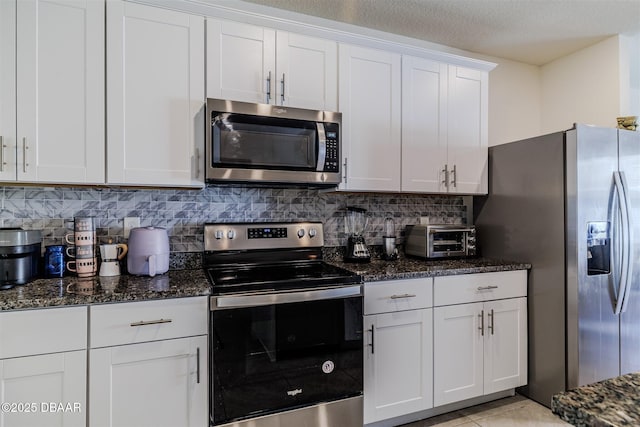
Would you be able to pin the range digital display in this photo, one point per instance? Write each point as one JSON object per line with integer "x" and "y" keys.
{"x": 267, "y": 233}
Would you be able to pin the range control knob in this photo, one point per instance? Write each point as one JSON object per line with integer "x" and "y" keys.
{"x": 301, "y": 233}
{"x": 312, "y": 232}
{"x": 231, "y": 234}
{"x": 219, "y": 234}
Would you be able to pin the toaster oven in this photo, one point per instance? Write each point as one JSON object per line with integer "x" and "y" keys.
{"x": 440, "y": 241}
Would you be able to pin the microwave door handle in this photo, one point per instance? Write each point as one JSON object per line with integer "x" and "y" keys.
{"x": 322, "y": 147}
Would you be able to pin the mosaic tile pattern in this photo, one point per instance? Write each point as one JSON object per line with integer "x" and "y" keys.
{"x": 184, "y": 212}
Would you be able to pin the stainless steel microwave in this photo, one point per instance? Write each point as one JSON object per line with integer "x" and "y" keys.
{"x": 270, "y": 144}
{"x": 440, "y": 241}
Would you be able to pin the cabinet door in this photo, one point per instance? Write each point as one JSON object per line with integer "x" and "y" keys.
{"x": 468, "y": 130}
{"x": 369, "y": 88}
{"x": 60, "y": 91}
{"x": 155, "y": 60}
{"x": 241, "y": 62}
{"x": 52, "y": 379}
{"x": 398, "y": 364}
{"x": 307, "y": 70}
{"x": 505, "y": 347}
{"x": 7, "y": 90}
{"x": 161, "y": 383}
{"x": 424, "y": 125}
{"x": 457, "y": 353}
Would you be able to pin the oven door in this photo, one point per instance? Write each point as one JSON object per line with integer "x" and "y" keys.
{"x": 271, "y": 357}
{"x": 447, "y": 243}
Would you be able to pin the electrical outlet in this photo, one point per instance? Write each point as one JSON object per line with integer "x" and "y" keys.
{"x": 129, "y": 223}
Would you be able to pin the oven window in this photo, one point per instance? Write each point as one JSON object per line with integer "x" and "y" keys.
{"x": 259, "y": 143}
{"x": 270, "y": 358}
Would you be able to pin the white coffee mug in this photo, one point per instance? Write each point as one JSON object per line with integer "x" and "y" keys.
{"x": 83, "y": 267}
{"x": 80, "y": 238}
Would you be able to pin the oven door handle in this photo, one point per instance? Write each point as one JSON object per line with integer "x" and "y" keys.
{"x": 239, "y": 301}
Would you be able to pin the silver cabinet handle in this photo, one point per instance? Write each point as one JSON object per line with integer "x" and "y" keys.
{"x": 486, "y": 288}
{"x": 373, "y": 335}
{"x": 282, "y": 92}
{"x": 445, "y": 172}
{"x": 151, "y": 322}
{"x": 2, "y": 163}
{"x": 454, "y": 176}
{"x": 345, "y": 170}
{"x": 481, "y": 315}
{"x": 197, "y": 163}
{"x": 25, "y": 147}
{"x": 269, "y": 87}
{"x": 402, "y": 296}
{"x": 198, "y": 365}
{"x": 490, "y": 316}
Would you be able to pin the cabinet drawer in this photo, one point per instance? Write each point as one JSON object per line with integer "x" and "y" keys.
{"x": 42, "y": 331}
{"x": 466, "y": 288}
{"x": 134, "y": 322}
{"x": 398, "y": 295}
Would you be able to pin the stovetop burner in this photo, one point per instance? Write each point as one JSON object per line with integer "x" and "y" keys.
{"x": 269, "y": 257}
{"x": 278, "y": 277}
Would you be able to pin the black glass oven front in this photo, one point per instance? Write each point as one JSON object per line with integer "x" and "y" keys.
{"x": 275, "y": 357}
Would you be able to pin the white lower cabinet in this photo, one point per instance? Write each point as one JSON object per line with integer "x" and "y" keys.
{"x": 398, "y": 348}
{"x": 43, "y": 367}
{"x": 160, "y": 383}
{"x": 46, "y": 390}
{"x": 479, "y": 347}
{"x": 157, "y": 374}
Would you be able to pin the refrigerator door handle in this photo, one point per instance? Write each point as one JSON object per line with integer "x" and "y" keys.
{"x": 628, "y": 247}
{"x": 622, "y": 206}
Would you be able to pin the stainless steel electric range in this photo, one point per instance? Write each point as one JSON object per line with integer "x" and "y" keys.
{"x": 285, "y": 327}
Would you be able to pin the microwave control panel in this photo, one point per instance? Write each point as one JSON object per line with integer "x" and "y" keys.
{"x": 332, "y": 159}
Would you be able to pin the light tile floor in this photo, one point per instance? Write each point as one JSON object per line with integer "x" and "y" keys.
{"x": 516, "y": 411}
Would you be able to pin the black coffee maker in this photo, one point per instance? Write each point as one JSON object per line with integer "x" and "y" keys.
{"x": 357, "y": 251}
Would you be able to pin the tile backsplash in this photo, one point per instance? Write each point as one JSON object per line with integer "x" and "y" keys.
{"x": 184, "y": 212}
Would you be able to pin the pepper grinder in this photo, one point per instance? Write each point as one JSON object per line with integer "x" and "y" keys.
{"x": 390, "y": 252}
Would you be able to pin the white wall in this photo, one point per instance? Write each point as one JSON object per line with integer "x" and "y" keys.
{"x": 630, "y": 75}
{"x": 514, "y": 101}
{"x": 583, "y": 87}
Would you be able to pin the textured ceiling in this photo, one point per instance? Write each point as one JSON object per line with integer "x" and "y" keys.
{"x": 530, "y": 31}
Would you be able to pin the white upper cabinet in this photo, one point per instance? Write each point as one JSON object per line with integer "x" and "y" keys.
{"x": 240, "y": 62}
{"x": 444, "y": 127}
{"x": 424, "y": 125}
{"x": 155, "y": 103}
{"x": 468, "y": 135}
{"x": 422, "y": 130}
{"x": 370, "y": 94}
{"x": 307, "y": 70}
{"x": 256, "y": 64}
{"x": 7, "y": 90}
{"x": 52, "y": 91}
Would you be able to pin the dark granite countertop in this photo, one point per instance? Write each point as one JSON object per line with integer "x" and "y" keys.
{"x": 406, "y": 268}
{"x": 613, "y": 402}
{"x": 73, "y": 290}
{"x": 193, "y": 281}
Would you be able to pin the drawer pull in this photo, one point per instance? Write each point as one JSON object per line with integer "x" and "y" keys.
{"x": 402, "y": 296}
{"x": 151, "y": 322}
{"x": 486, "y": 288}
{"x": 198, "y": 365}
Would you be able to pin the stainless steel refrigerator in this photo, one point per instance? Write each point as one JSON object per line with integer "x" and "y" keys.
{"x": 569, "y": 204}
